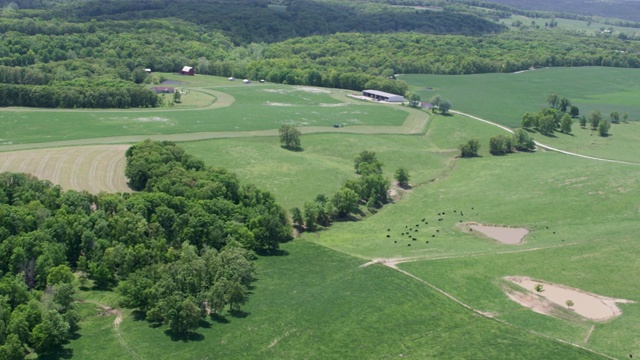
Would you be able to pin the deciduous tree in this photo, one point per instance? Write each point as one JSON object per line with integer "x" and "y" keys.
{"x": 289, "y": 137}
{"x": 402, "y": 176}
{"x": 470, "y": 148}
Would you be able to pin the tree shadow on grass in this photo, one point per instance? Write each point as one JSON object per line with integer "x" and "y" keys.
{"x": 219, "y": 318}
{"x": 240, "y": 314}
{"x": 294, "y": 149}
{"x": 189, "y": 336}
{"x": 139, "y": 315}
{"x": 60, "y": 352}
{"x": 272, "y": 252}
{"x": 204, "y": 324}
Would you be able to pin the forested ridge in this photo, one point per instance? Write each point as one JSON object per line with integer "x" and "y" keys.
{"x": 93, "y": 54}
{"x": 178, "y": 250}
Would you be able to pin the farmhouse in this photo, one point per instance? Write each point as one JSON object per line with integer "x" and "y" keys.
{"x": 187, "y": 70}
{"x": 164, "y": 90}
{"x": 382, "y": 96}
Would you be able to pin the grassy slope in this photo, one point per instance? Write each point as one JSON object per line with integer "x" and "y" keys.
{"x": 319, "y": 304}
{"x": 503, "y": 98}
{"x": 589, "y": 207}
{"x": 602, "y": 267}
{"x": 324, "y": 165}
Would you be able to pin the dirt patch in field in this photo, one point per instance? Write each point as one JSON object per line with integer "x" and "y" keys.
{"x": 554, "y": 296}
{"x": 313, "y": 90}
{"x": 152, "y": 119}
{"x": 503, "y": 234}
{"x": 269, "y": 103}
{"x": 333, "y": 105}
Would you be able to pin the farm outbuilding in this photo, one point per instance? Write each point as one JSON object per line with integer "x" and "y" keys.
{"x": 382, "y": 96}
{"x": 187, "y": 70}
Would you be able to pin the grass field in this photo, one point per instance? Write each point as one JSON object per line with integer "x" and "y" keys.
{"x": 504, "y": 98}
{"x": 581, "y": 213}
{"x": 94, "y": 168}
{"x": 336, "y": 311}
{"x": 317, "y": 302}
{"x": 237, "y": 108}
{"x": 590, "y": 28}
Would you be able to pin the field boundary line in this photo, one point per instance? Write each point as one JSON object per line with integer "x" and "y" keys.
{"x": 547, "y": 147}
{"x": 490, "y": 315}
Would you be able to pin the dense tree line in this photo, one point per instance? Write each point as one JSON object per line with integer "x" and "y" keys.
{"x": 45, "y": 96}
{"x": 180, "y": 249}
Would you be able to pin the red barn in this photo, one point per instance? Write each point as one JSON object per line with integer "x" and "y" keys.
{"x": 187, "y": 70}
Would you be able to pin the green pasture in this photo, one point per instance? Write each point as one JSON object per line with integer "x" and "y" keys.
{"x": 323, "y": 166}
{"x": 315, "y": 303}
{"x": 590, "y": 28}
{"x": 603, "y": 267}
{"x": 256, "y": 107}
{"x": 503, "y": 98}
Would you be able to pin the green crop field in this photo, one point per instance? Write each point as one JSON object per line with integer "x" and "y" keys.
{"x": 317, "y": 301}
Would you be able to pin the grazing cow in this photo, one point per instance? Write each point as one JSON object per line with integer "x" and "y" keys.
{"x": 388, "y": 235}
{"x": 427, "y": 242}
{"x": 437, "y": 230}
{"x": 416, "y": 230}
{"x": 434, "y": 235}
{"x": 440, "y": 219}
{"x": 388, "y": 229}
{"x": 395, "y": 241}
{"x": 408, "y": 244}
{"x": 414, "y": 239}
{"x": 402, "y": 234}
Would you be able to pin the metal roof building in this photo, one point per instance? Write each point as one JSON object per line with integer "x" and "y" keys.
{"x": 382, "y": 96}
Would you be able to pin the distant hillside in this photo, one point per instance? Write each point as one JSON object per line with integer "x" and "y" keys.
{"x": 621, "y": 9}
{"x": 246, "y": 21}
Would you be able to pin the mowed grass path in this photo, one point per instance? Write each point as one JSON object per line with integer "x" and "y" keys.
{"x": 315, "y": 303}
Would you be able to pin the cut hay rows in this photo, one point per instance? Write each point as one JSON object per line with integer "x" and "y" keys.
{"x": 90, "y": 168}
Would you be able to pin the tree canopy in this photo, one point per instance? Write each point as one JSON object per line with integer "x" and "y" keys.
{"x": 177, "y": 250}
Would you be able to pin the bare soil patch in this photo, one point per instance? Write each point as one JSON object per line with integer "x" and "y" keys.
{"x": 553, "y": 297}
{"x": 503, "y": 234}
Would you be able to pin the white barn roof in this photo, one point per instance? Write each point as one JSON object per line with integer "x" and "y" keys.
{"x": 384, "y": 95}
{"x": 187, "y": 68}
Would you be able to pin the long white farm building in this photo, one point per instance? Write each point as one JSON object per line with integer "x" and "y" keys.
{"x": 382, "y": 96}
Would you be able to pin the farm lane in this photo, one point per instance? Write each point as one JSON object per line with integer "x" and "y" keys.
{"x": 546, "y": 147}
